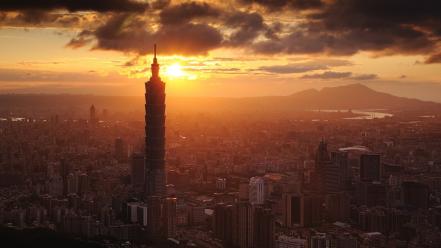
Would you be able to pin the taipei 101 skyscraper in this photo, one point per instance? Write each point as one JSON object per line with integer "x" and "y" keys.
{"x": 155, "y": 133}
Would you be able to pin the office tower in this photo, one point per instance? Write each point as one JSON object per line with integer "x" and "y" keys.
{"x": 154, "y": 217}
{"x": 92, "y": 115}
{"x": 291, "y": 209}
{"x": 340, "y": 162}
{"x": 132, "y": 211}
{"x": 415, "y": 195}
{"x": 223, "y": 223}
{"x": 155, "y": 132}
{"x": 322, "y": 161}
{"x": 370, "y": 167}
{"x": 64, "y": 172}
{"x": 169, "y": 215}
{"x": 322, "y": 154}
{"x": 244, "y": 191}
{"x": 221, "y": 184}
{"x": 263, "y": 228}
{"x": 83, "y": 183}
{"x": 304, "y": 210}
{"x": 137, "y": 170}
{"x": 142, "y": 214}
{"x": 337, "y": 206}
{"x": 371, "y": 194}
{"x": 243, "y": 227}
{"x": 257, "y": 191}
{"x": 72, "y": 183}
{"x": 120, "y": 150}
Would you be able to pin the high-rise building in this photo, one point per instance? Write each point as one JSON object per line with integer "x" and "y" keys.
{"x": 155, "y": 132}
{"x": 291, "y": 209}
{"x": 120, "y": 150}
{"x": 64, "y": 173}
{"x": 304, "y": 210}
{"x": 155, "y": 223}
{"x": 92, "y": 115}
{"x": 137, "y": 170}
{"x": 370, "y": 167}
{"x": 415, "y": 195}
{"x": 322, "y": 161}
{"x": 169, "y": 217}
{"x": 243, "y": 227}
{"x": 257, "y": 191}
{"x": 223, "y": 223}
{"x": 263, "y": 228}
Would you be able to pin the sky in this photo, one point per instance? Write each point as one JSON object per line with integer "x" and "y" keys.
{"x": 229, "y": 48}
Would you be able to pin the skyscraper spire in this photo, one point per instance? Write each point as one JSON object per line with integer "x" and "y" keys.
{"x": 155, "y": 65}
{"x": 155, "y": 61}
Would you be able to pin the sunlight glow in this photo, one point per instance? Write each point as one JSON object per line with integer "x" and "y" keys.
{"x": 175, "y": 70}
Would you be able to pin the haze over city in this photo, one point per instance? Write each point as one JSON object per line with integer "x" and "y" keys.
{"x": 220, "y": 124}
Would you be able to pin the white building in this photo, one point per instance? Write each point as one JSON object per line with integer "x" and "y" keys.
{"x": 257, "y": 190}
{"x": 221, "y": 183}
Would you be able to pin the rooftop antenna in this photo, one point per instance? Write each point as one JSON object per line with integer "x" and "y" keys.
{"x": 154, "y": 51}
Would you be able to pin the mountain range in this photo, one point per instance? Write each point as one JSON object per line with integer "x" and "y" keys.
{"x": 353, "y": 96}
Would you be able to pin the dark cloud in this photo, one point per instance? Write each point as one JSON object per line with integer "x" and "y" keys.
{"x": 187, "y": 11}
{"x": 331, "y": 27}
{"x": 328, "y": 75}
{"x": 435, "y": 58}
{"x": 40, "y": 18}
{"x": 128, "y": 33}
{"x": 247, "y": 27}
{"x": 81, "y": 40}
{"x": 363, "y": 77}
{"x": 74, "y": 5}
{"x": 273, "y": 5}
{"x": 160, "y": 4}
{"x": 345, "y": 27}
{"x": 293, "y": 68}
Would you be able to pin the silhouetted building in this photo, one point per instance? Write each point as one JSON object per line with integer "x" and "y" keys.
{"x": 137, "y": 170}
{"x": 371, "y": 194}
{"x": 92, "y": 115}
{"x": 120, "y": 150}
{"x": 263, "y": 228}
{"x": 306, "y": 210}
{"x": 415, "y": 195}
{"x": 64, "y": 172}
{"x": 155, "y": 132}
{"x": 243, "y": 227}
{"x": 223, "y": 223}
{"x": 370, "y": 169}
{"x": 169, "y": 217}
{"x": 155, "y": 223}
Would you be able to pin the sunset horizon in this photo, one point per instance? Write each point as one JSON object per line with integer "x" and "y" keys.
{"x": 260, "y": 48}
{"x": 220, "y": 124}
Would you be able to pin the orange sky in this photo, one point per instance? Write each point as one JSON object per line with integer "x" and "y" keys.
{"x": 35, "y": 57}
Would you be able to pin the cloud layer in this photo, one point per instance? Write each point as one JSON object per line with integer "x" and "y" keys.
{"x": 336, "y": 27}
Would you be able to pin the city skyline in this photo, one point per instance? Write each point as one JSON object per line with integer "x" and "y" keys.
{"x": 261, "y": 48}
{"x": 220, "y": 124}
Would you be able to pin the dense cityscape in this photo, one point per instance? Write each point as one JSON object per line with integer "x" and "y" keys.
{"x": 252, "y": 124}
{"x": 210, "y": 181}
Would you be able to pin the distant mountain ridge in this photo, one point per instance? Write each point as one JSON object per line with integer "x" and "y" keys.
{"x": 353, "y": 96}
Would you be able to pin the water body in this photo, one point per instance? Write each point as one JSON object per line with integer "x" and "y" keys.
{"x": 367, "y": 114}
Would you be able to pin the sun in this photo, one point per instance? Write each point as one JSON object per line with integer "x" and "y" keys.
{"x": 175, "y": 70}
